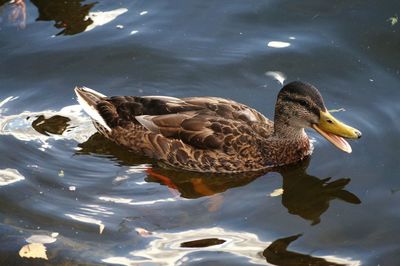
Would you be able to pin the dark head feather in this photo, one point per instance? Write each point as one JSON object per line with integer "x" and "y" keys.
{"x": 296, "y": 90}
{"x": 298, "y": 106}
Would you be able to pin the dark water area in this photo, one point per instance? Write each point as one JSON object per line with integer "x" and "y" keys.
{"x": 90, "y": 202}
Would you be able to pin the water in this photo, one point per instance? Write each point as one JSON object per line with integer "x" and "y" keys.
{"x": 90, "y": 202}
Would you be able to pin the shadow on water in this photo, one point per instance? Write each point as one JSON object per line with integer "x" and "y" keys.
{"x": 69, "y": 15}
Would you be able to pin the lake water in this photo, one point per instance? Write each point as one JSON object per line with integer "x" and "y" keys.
{"x": 88, "y": 201}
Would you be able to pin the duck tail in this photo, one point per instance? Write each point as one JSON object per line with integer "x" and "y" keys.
{"x": 89, "y": 99}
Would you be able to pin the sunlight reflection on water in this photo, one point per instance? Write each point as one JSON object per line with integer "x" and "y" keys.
{"x": 101, "y": 18}
{"x": 166, "y": 248}
{"x": 78, "y": 128}
{"x": 9, "y": 176}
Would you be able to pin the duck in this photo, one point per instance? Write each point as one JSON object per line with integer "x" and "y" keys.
{"x": 216, "y": 135}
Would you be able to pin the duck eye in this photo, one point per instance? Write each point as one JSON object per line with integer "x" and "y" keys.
{"x": 329, "y": 121}
{"x": 303, "y": 102}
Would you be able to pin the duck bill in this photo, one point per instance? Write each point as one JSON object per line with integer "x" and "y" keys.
{"x": 335, "y": 131}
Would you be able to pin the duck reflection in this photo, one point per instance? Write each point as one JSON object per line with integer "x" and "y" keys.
{"x": 69, "y": 15}
{"x": 277, "y": 254}
{"x": 190, "y": 185}
{"x": 98, "y": 144}
{"x": 304, "y": 195}
{"x": 170, "y": 248}
{"x": 308, "y": 196}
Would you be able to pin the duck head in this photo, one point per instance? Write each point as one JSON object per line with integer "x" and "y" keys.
{"x": 300, "y": 105}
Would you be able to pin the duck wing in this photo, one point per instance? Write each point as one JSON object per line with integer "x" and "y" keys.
{"x": 119, "y": 110}
{"x": 166, "y": 115}
{"x": 180, "y": 130}
{"x": 206, "y": 123}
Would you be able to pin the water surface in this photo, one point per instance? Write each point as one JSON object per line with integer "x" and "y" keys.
{"x": 91, "y": 202}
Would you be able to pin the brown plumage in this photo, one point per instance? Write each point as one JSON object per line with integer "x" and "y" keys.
{"x": 208, "y": 134}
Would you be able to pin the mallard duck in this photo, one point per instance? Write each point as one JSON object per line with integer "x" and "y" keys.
{"x": 210, "y": 134}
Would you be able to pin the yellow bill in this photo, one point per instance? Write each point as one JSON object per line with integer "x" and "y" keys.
{"x": 335, "y": 131}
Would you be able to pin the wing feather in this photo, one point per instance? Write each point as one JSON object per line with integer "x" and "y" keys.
{"x": 202, "y": 122}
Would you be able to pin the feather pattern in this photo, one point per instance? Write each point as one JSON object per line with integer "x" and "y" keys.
{"x": 207, "y": 134}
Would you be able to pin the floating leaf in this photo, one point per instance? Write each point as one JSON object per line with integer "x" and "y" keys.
{"x": 34, "y": 251}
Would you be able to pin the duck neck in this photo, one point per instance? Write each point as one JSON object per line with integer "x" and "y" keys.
{"x": 291, "y": 144}
{"x": 283, "y": 129}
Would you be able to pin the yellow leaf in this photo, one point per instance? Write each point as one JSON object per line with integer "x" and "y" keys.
{"x": 34, "y": 250}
